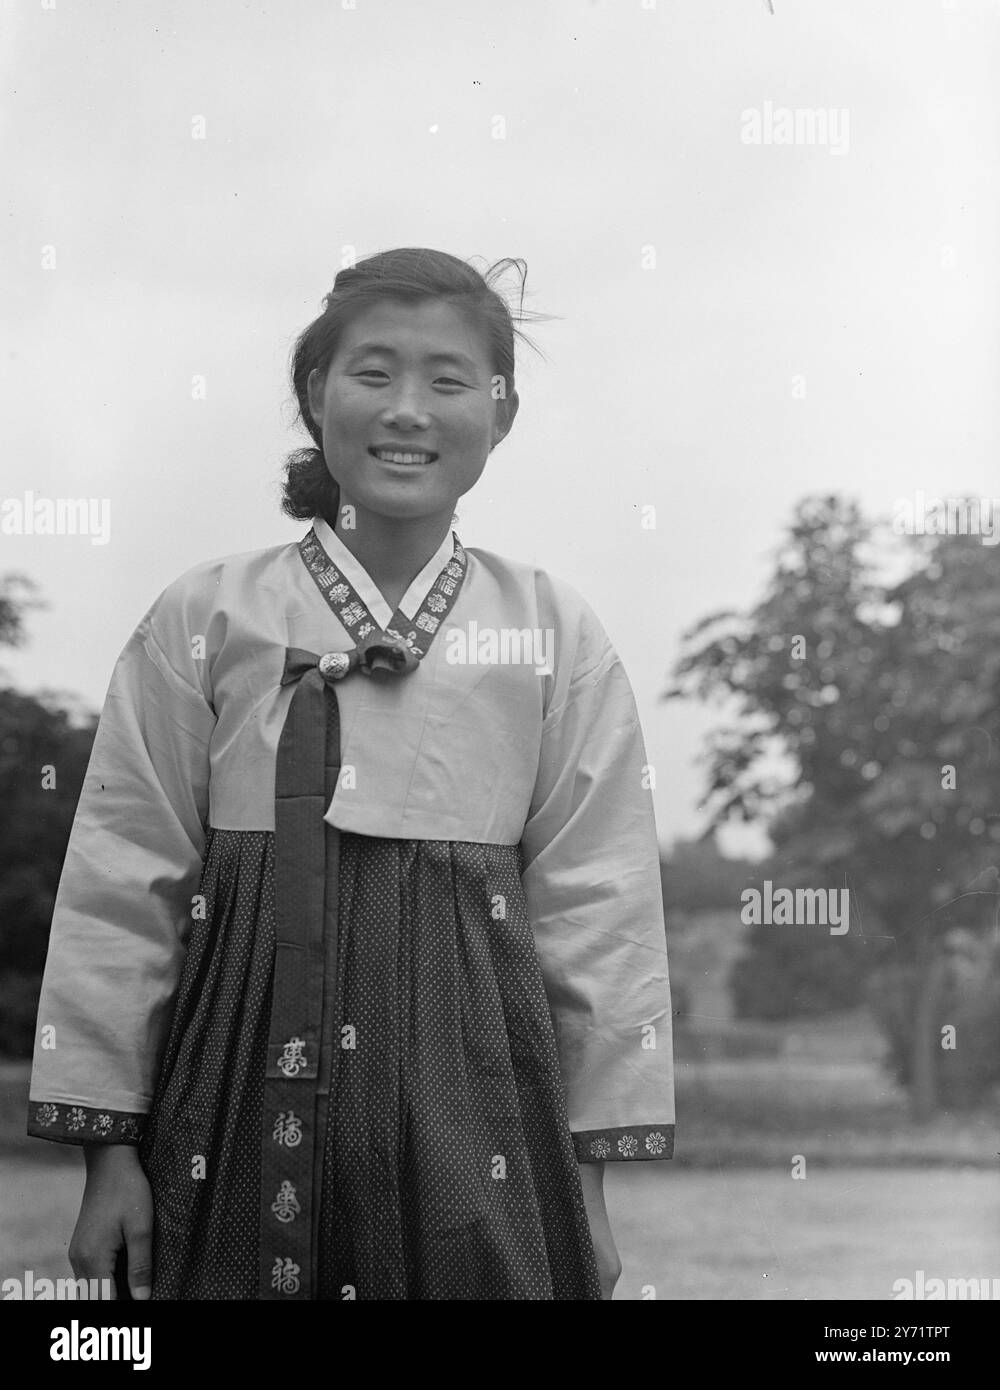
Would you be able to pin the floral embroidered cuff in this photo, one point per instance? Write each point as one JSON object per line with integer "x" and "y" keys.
{"x": 624, "y": 1144}
{"x": 81, "y": 1124}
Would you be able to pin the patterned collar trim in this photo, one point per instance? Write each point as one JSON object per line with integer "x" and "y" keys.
{"x": 365, "y": 587}
{"x": 358, "y": 619}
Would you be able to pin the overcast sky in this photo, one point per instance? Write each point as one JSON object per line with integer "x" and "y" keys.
{"x": 867, "y": 272}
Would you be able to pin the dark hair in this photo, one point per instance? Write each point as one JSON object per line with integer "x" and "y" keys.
{"x": 409, "y": 274}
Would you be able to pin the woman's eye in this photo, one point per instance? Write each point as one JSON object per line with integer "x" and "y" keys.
{"x": 379, "y": 373}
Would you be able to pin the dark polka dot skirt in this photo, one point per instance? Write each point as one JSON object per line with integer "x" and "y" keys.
{"x": 444, "y": 1166}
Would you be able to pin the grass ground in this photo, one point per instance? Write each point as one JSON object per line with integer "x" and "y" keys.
{"x": 820, "y": 1090}
{"x": 748, "y": 1233}
{"x": 840, "y": 1233}
{"x": 764, "y": 1112}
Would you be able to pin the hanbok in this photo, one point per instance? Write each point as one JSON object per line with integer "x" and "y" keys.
{"x": 359, "y": 935}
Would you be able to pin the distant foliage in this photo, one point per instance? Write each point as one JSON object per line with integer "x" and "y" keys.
{"x": 965, "y": 1019}
{"x": 788, "y": 975}
{"x": 864, "y": 731}
{"x": 696, "y": 877}
{"x": 34, "y": 830}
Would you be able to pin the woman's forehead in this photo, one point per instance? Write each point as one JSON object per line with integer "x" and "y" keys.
{"x": 422, "y": 328}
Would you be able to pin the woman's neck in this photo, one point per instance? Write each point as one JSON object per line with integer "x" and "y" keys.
{"x": 392, "y": 549}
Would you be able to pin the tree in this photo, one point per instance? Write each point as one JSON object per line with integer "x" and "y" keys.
{"x": 43, "y": 759}
{"x": 867, "y": 713}
{"x": 17, "y": 595}
{"x": 697, "y": 877}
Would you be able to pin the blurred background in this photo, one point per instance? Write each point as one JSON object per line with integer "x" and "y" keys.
{"x": 762, "y": 350}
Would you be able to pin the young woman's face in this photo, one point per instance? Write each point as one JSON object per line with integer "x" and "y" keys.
{"x": 414, "y": 381}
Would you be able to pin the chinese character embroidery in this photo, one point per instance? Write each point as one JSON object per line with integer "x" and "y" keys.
{"x": 352, "y": 614}
{"x": 286, "y": 1205}
{"x": 288, "y": 1129}
{"x": 428, "y": 623}
{"x": 293, "y": 1057}
{"x": 285, "y": 1276}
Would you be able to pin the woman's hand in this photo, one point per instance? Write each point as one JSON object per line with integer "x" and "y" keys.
{"x": 609, "y": 1263}
{"x": 116, "y": 1214}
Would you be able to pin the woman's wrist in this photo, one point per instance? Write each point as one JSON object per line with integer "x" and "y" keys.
{"x": 98, "y": 1157}
{"x": 592, "y": 1182}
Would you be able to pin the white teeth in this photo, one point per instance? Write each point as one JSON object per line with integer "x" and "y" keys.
{"x": 388, "y": 456}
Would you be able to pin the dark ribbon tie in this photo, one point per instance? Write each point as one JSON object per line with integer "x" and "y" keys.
{"x": 307, "y": 854}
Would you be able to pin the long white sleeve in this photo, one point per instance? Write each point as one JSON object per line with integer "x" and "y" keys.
{"x": 124, "y": 904}
{"x": 592, "y": 883}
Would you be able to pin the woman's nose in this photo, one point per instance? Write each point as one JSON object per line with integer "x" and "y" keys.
{"x": 407, "y": 407}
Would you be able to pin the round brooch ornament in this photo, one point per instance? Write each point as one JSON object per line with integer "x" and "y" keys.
{"x": 334, "y": 666}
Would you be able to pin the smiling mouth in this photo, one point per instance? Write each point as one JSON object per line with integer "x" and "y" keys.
{"x": 412, "y": 456}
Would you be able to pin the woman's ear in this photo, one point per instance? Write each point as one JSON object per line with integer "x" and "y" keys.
{"x": 315, "y": 388}
{"x": 506, "y": 410}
